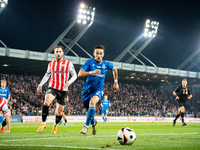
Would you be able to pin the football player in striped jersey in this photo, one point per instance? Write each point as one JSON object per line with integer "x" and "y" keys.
{"x": 6, "y": 112}
{"x": 59, "y": 70}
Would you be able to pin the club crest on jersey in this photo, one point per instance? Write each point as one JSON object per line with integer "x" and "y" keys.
{"x": 103, "y": 66}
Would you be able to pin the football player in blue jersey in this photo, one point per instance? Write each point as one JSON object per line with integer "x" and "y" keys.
{"x": 105, "y": 104}
{"x": 94, "y": 70}
{"x": 4, "y": 92}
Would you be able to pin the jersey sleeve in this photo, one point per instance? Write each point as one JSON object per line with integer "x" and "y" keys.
{"x": 85, "y": 66}
{"x": 189, "y": 92}
{"x": 110, "y": 65}
{"x": 49, "y": 68}
{"x": 71, "y": 67}
{"x": 177, "y": 89}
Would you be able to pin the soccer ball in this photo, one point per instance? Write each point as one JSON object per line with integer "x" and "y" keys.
{"x": 126, "y": 136}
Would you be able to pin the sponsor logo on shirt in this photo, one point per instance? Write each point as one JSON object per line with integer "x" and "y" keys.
{"x": 59, "y": 71}
{"x": 99, "y": 75}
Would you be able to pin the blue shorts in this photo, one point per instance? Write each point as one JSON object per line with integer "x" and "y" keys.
{"x": 86, "y": 97}
{"x": 104, "y": 112}
{"x": 1, "y": 119}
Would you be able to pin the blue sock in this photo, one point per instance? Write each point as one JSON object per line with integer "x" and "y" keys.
{"x": 90, "y": 114}
{"x": 1, "y": 119}
{"x": 105, "y": 119}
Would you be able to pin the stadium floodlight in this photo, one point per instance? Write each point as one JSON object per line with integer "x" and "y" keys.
{"x": 151, "y": 28}
{"x": 3, "y": 3}
{"x": 85, "y": 14}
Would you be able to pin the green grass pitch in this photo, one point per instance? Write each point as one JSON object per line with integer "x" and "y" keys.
{"x": 155, "y": 135}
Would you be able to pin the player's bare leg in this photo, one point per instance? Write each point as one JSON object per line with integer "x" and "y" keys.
{"x": 6, "y": 122}
{"x": 59, "y": 111}
{"x": 45, "y": 111}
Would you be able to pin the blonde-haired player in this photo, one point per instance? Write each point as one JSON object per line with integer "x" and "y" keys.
{"x": 6, "y": 112}
{"x": 4, "y": 92}
{"x": 182, "y": 93}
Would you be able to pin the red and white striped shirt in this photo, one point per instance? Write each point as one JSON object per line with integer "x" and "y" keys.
{"x": 59, "y": 73}
{"x": 3, "y": 105}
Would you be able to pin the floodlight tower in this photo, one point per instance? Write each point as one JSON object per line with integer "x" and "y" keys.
{"x": 150, "y": 32}
{"x": 85, "y": 16}
{"x": 3, "y": 4}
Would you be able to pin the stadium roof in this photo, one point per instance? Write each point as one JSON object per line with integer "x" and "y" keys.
{"x": 31, "y": 66}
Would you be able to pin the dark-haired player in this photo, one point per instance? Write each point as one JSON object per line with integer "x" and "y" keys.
{"x": 182, "y": 93}
{"x": 94, "y": 70}
{"x": 59, "y": 70}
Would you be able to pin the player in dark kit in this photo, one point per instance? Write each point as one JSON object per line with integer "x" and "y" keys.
{"x": 182, "y": 93}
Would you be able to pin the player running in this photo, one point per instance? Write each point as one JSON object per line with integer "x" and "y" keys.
{"x": 94, "y": 70}
{"x": 181, "y": 94}
{"x": 105, "y": 104}
{"x": 6, "y": 112}
{"x": 59, "y": 70}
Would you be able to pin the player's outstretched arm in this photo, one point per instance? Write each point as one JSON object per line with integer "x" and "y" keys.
{"x": 115, "y": 76}
{"x": 82, "y": 73}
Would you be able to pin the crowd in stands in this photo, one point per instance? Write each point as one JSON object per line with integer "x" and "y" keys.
{"x": 129, "y": 100}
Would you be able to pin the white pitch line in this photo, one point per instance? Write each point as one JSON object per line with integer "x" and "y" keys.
{"x": 99, "y": 136}
{"x": 73, "y": 147}
{"x": 170, "y": 133}
{"x": 53, "y": 138}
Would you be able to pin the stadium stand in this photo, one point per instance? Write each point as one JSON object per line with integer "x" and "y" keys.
{"x": 130, "y": 100}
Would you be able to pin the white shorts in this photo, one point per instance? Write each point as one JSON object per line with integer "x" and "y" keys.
{"x": 4, "y": 108}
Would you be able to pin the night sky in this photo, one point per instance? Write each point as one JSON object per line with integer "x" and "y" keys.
{"x": 35, "y": 24}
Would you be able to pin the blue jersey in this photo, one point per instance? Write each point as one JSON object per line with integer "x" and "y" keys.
{"x": 95, "y": 82}
{"x": 4, "y": 92}
{"x": 105, "y": 104}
